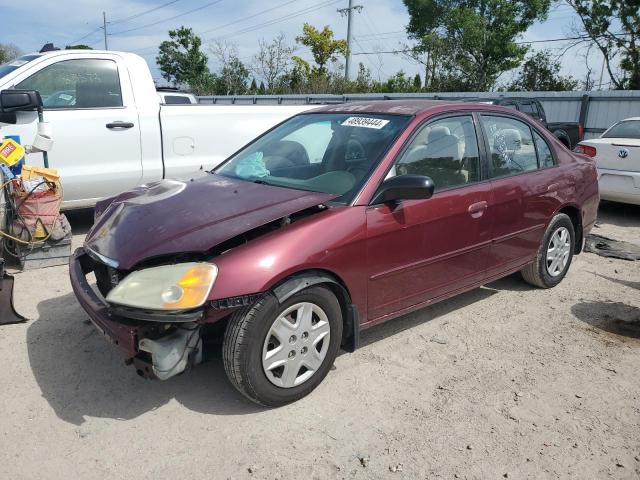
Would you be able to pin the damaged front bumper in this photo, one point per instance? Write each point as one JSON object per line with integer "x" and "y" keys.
{"x": 160, "y": 346}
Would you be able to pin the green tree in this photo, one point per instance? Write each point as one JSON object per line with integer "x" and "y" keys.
{"x": 417, "y": 83}
{"x": 398, "y": 83}
{"x": 80, "y": 46}
{"x": 272, "y": 61}
{"x": 541, "y": 73}
{"x": 8, "y": 52}
{"x": 323, "y": 46}
{"x": 234, "y": 75}
{"x": 181, "y": 60}
{"x": 473, "y": 40}
{"x": 614, "y": 27}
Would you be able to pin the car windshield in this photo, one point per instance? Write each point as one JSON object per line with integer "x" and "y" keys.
{"x": 321, "y": 152}
{"x": 9, "y": 67}
{"x": 624, "y": 129}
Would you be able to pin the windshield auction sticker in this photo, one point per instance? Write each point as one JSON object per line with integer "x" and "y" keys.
{"x": 365, "y": 122}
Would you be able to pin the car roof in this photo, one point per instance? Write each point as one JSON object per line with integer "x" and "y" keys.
{"x": 397, "y": 107}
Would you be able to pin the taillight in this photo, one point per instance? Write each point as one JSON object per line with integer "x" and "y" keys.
{"x": 580, "y": 132}
{"x": 587, "y": 150}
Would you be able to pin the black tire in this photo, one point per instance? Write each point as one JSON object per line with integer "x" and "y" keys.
{"x": 245, "y": 336}
{"x": 537, "y": 273}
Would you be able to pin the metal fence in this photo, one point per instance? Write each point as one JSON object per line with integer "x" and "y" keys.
{"x": 595, "y": 110}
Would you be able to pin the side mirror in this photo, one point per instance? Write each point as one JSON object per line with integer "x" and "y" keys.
{"x": 404, "y": 187}
{"x": 19, "y": 101}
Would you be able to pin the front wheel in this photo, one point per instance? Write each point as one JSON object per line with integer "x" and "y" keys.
{"x": 554, "y": 255}
{"x": 276, "y": 353}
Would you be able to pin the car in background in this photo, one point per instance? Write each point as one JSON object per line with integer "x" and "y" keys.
{"x": 329, "y": 223}
{"x": 568, "y": 133}
{"x": 617, "y": 156}
{"x": 170, "y": 96}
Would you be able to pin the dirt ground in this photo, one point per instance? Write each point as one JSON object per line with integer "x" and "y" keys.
{"x": 505, "y": 381}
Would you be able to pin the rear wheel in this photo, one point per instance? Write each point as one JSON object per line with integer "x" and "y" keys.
{"x": 554, "y": 255}
{"x": 276, "y": 353}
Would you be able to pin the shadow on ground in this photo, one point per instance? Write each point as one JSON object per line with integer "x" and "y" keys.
{"x": 619, "y": 281}
{"x": 618, "y": 214}
{"x": 80, "y": 374}
{"x": 80, "y": 220}
{"x": 613, "y": 317}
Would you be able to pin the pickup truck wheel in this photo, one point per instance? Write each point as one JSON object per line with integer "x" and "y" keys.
{"x": 554, "y": 255}
{"x": 275, "y": 353}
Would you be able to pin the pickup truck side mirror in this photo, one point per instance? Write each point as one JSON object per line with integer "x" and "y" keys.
{"x": 404, "y": 187}
{"x": 20, "y": 101}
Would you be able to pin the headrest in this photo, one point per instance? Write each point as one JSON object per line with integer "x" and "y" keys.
{"x": 437, "y": 133}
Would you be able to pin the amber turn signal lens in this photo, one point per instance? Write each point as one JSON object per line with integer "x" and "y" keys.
{"x": 195, "y": 285}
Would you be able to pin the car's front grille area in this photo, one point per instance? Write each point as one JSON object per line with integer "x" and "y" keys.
{"x": 106, "y": 277}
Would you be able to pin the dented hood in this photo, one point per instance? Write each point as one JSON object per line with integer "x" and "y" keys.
{"x": 171, "y": 216}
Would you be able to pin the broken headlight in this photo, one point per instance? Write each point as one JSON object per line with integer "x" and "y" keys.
{"x": 170, "y": 287}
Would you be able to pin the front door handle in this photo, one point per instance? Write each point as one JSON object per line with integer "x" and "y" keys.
{"x": 476, "y": 210}
{"x": 119, "y": 124}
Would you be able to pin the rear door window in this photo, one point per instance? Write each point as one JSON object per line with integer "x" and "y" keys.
{"x": 511, "y": 146}
{"x": 545, "y": 157}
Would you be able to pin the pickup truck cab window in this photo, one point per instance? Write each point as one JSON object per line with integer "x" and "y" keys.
{"x": 79, "y": 83}
{"x": 528, "y": 108}
{"x": 511, "y": 146}
{"x": 445, "y": 150}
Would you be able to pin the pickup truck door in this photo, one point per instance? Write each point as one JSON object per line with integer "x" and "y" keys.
{"x": 89, "y": 102}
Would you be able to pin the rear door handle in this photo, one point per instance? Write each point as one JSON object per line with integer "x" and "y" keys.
{"x": 119, "y": 124}
{"x": 476, "y": 210}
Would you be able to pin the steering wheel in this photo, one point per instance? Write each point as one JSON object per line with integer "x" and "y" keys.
{"x": 355, "y": 150}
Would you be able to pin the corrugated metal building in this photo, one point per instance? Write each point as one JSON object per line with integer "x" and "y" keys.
{"x": 595, "y": 110}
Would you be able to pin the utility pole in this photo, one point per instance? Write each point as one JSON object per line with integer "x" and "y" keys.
{"x": 104, "y": 27}
{"x": 348, "y": 11}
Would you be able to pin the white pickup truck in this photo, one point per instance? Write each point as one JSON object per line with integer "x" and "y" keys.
{"x": 111, "y": 130}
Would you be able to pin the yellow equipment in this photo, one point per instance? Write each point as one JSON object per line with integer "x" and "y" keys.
{"x": 29, "y": 172}
{"x": 11, "y": 151}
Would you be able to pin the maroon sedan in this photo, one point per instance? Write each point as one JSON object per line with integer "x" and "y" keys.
{"x": 331, "y": 222}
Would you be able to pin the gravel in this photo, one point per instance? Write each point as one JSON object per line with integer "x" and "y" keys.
{"x": 536, "y": 383}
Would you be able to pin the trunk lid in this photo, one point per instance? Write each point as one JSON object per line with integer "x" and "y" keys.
{"x": 616, "y": 153}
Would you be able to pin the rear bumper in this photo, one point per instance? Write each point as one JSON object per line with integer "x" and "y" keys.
{"x": 122, "y": 332}
{"x": 619, "y": 185}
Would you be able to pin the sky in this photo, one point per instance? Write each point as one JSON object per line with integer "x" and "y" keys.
{"x": 140, "y": 25}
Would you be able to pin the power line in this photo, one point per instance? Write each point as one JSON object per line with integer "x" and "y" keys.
{"x": 167, "y": 19}
{"x": 258, "y": 26}
{"x": 131, "y": 17}
{"x": 220, "y": 27}
{"x": 366, "y": 35}
{"x": 278, "y": 20}
{"x": 75, "y": 42}
{"x": 564, "y": 39}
